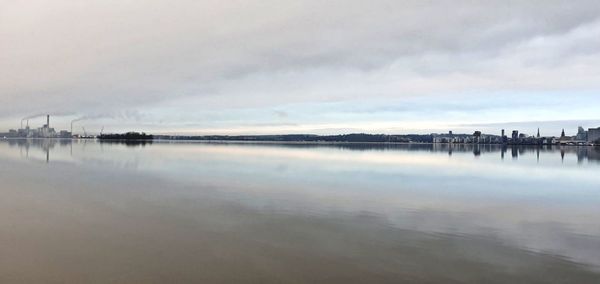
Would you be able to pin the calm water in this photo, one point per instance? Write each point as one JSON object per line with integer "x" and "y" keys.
{"x": 86, "y": 212}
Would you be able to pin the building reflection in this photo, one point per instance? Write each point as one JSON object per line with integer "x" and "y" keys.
{"x": 582, "y": 153}
{"x": 41, "y": 149}
{"x": 29, "y": 145}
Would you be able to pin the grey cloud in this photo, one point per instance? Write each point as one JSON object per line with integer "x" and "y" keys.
{"x": 116, "y": 55}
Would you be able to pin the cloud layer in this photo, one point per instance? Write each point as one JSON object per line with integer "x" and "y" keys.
{"x": 203, "y": 62}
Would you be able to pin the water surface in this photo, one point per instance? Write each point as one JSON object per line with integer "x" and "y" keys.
{"x": 85, "y": 212}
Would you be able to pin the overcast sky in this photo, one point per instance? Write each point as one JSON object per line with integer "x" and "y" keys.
{"x": 279, "y": 66}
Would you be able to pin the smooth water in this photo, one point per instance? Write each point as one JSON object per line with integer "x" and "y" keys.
{"x": 85, "y": 212}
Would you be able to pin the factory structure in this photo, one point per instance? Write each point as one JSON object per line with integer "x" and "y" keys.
{"x": 42, "y": 132}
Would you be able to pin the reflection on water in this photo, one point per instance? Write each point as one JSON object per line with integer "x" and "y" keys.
{"x": 83, "y": 211}
{"x": 582, "y": 153}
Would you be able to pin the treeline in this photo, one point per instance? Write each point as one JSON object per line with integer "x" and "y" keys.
{"x": 359, "y": 138}
{"x": 126, "y": 136}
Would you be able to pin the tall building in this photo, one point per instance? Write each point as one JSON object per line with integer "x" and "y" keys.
{"x": 46, "y": 131}
{"x": 581, "y": 134}
{"x": 515, "y": 134}
{"x": 477, "y": 137}
{"x": 538, "y": 134}
{"x": 503, "y": 138}
{"x": 593, "y": 135}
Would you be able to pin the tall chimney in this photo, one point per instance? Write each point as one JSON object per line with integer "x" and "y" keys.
{"x": 48, "y": 120}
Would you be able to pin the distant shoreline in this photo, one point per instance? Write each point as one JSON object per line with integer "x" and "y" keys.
{"x": 477, "y": 138}
{"x": 358, "y": 143}
{"x": 209, "y": 141}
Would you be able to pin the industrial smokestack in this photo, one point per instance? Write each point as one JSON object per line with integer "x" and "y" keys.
{"x": 48, "y": 120}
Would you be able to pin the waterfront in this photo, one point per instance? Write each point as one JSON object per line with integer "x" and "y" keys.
{"x": 85, "y": 211}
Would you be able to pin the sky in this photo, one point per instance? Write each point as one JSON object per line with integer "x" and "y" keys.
{"x": 281, "y": 66}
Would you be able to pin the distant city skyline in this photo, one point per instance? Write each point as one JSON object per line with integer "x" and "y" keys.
{"x": 79, "y": 125}
{"x": 311, "y": 67}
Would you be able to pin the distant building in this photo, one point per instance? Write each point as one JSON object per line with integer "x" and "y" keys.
{"x": 581, "y": 135}
{"x": 547, "y": 140}
{"x": 42, "y": 132}
{"x": 64, "y": 134}
{"x": 515, "y": 135}
{"x": 566, "y": 140}
{"x": 448, "y": 138}
{"x": 477, "y": 137}
{"x": 593, "y": 135}
{"x": 45, "y": 131}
